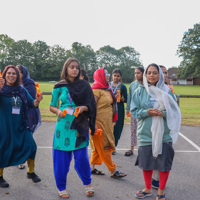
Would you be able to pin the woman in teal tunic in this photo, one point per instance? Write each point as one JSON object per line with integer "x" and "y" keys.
{"x": 16, "y": 141}
{"x": 72, "y": 133}
{"x": 117, "y": 85}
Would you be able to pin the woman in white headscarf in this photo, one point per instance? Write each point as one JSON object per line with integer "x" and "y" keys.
{"x": 159, "y": 120}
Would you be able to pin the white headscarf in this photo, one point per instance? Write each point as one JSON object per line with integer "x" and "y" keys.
{"x": 163, "y": 101}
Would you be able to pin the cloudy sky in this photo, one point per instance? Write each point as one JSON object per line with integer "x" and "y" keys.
{"x": 153, "y": 27}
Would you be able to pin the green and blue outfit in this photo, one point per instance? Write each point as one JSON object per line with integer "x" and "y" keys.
{"x": 70, "y": 137}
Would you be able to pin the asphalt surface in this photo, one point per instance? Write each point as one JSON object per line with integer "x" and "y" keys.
{"x": 183, "y": 182}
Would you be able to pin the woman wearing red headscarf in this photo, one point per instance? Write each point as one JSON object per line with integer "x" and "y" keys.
{"x": 104, "y": 144}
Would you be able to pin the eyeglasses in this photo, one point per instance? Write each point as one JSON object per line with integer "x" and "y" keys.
{"x": 107, "y": 74}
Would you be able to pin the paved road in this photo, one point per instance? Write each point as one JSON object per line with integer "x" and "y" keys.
{"x": 183, "y": 183}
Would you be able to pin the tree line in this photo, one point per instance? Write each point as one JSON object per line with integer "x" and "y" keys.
{"x": 45, "y": 62}
{"x": 189, "y": 51}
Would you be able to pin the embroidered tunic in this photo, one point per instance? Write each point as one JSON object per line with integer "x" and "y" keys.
{"x": 64, "y": 137}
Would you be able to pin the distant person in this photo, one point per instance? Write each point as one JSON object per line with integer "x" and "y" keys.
{"x": 84, "y": 75}
{"x": 34, "y": 113}
{"x": 159, "y": 121}
{"x": 117, "y": 85}
{"x": 132, "y": 88}
{"x": 155, "y": 179}
{"x": 16, "y": 139}
{"x": 104, "y": 144}
{"x": 71, "y": 136}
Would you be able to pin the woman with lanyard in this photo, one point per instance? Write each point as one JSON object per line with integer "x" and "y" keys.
{"x": 71, "y": 134}
{"x": 159, "y": 121}
{"x": 16, "y": 139}
{"x": 104, "y": 143}
{"x": 121, "y": 97}
{"x": 34, "y": 113}
{"x": 132, "y": 88}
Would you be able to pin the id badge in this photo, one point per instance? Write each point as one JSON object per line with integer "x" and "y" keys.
{"x": 15, "y": 110}
{"x": 70, "y": 111}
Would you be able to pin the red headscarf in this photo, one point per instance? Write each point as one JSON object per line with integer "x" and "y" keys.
{"x": 99, "y": 80}
{"x": 100, "y": 83}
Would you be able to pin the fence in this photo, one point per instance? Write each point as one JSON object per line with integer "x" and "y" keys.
{"x": 178, "y": 96}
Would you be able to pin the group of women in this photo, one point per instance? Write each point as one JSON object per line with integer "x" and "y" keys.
{"x": 94, "y": 115}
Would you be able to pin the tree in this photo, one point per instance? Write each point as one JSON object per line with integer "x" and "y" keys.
{"x": 189, "y": 50}
{"x": 5, "y": 43}
{"x": 129, "y": 58}
{"x": 41, "y": 60}
{"x": 21, "y": 52}
{"x": 56, "y": 60}
{"x": 85, "y": 55}
{"x": 124, "y": 59}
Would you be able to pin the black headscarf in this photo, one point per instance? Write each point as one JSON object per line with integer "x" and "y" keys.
{"x": 28, "y": 83}
{"x": 82, "y": 95}
{"x": 10, "y": 91}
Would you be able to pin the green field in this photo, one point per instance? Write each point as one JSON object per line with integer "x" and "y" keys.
{"x": 190, "y": 107}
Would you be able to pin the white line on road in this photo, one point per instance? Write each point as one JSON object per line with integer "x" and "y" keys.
{"x": 190, "y": 141}
{"x": 119, "y": 149}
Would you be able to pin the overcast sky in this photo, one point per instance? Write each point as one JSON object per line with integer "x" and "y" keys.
{"x": 153, "y": 27}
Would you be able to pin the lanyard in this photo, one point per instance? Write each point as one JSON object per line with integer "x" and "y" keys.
{"x": 15, "y": 100}
{"x": 70, "y": 99}
{"x": 115, "y": 87}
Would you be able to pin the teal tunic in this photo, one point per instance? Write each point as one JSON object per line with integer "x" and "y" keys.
{"x": 64, "y": 137}
{"x": 16, "y": 142}
{"x": 120, "y": 122}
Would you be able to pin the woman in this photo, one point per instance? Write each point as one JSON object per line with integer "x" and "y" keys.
{"x": 84, "y": 75}
{"x": 159, "y": 120}
{"x": 34, "y": 113}
{"x": 106, "y": 116}
{"x": 118, "y": 86}
{"x": 16, "y": 141}
{"x": 71, "y": 133}
{"x": 132, "y": 88}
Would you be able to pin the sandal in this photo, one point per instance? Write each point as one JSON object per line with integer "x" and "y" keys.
{"x": 129, "y": 153}
{"x": 114, "y": 153}
{"x": 89, "y": 191}
{"x": 22, "y": 166}
{"x": 62, "y": 193}
{"x": 118, "y": 175}
{"x": 97, "y": 172}
{"x": 160, "y": 196}
{"x": 145, "y": 194}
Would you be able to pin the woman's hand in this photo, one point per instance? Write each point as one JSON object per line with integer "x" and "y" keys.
{"x": 38, "y": 99}
{"x": 155, "y": 112}
{"x": 60, "y": 113}
{"x": 82, "y": 109}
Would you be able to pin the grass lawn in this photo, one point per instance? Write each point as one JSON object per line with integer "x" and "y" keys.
{"x": 190, "y": 107}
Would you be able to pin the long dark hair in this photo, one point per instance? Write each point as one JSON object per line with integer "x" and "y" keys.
{"x": 84, "y": 74}
{"x": 65, "y": 67}
{"x": 17, "y": 82}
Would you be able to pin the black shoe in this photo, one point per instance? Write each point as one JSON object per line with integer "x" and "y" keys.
{"x": 155, "y": 184}
{"x": 3, "y": 183}
{"x": 34, "y": 177}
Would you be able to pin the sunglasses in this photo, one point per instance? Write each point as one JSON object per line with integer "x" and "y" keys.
{"x": 107, "y": 74}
